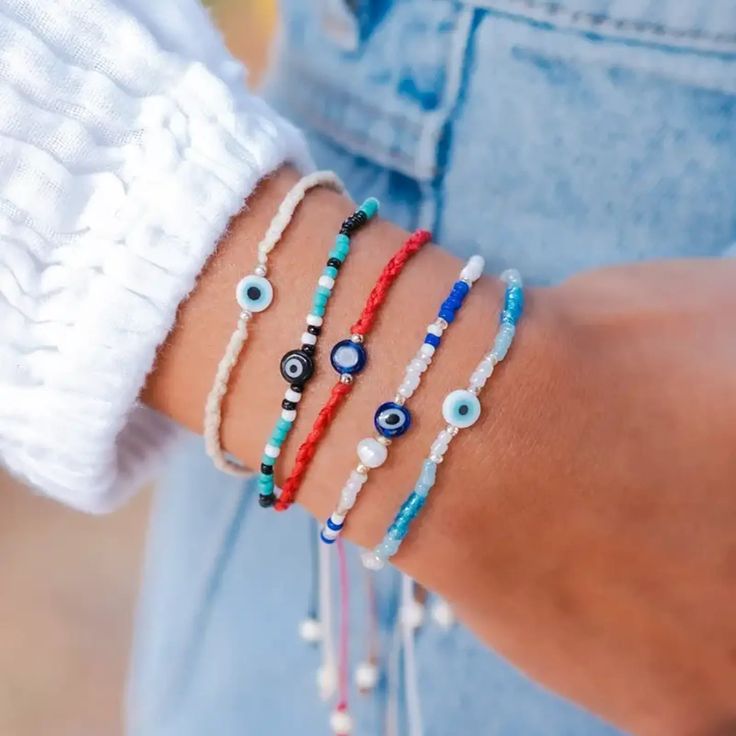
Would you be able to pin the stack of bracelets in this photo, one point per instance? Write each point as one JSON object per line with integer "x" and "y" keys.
{"x": 392, "y": 418}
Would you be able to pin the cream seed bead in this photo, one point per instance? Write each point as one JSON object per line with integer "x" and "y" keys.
{"x": 405, "y": 392}
{"x": 308, "y": 338}
{"x": 272, "y": 450}
{"x": 314, "y": 320}
{"x": 288, "y": 414}
{"x": 327, "y": 281}
{"x": 434, "y": 329}
{"x": 372, "y": 453}
{"x": 294, "y": 396}
{"x": 473, "y": 269}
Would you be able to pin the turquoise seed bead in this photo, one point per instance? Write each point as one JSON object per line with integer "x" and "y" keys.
{"x": 342, "y": 240}
{"x": 268, "y": 460}
{"x": 284, "y": 423}
{"x": 330, "y": 271}
{"x": 318, "y": 310}
{"x": 370, "y": 207}
{"x": 322, "y": 291}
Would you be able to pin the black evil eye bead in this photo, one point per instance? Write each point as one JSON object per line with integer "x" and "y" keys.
{"x": 461, "y": 409}
{"x": 297, "y": 367}
{"x": 254, "y": 293}
{"x": 391, "y": 419}
{"x": 348, "y": 357}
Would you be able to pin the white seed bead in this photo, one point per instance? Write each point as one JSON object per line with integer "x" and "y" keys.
{"x": 418, "y": 365}
{"x": 434, "y": 329}
{"x": 310, "y": 630}
{"x": 412, "y": 614}
{"x": 485, "y": 367}
{"x": 426, "y": 351}
{"x": 473, "y": 269}
{"x": 288, "y": 414}
{"x": 294, "y": 396}
{"x": 443, "y": 614}
{"x": 366, "y": 676}
{"x": 327, "y": 281}
{"x": 341, "y": 723}
{"x": 477, "y": 381}
{"x": 260, "y": 270}
{"x": 412, "y": 379}
{"x": 337, "y": 517}
{"x": 405, "y": 391}
{"x": 372, "y": 453}
{"x": 439, "y": 448}
{"x": 308, "y": 338}
{"x": 272, "y": 450}
{"x": 511, "y": 277}
{"x": 360, "y": 477}
{"x": 371, "y": 561}
{"x": 441, "y": 323}
{"x": 314, "y": 320}
{"x": 262, "y": 258}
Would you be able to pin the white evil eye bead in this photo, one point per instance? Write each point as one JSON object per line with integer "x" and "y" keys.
{"x": 461, "y": 408}
{"x": 391, "y": 419}
{"x": 297, "y": 367}
{"x": 348, "y": 357}
{"x": 254, "y": 293}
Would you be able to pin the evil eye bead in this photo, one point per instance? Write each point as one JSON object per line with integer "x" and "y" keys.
{"x": 254, "y": 293}
{"x": 348, "y": 357}
{"x": 297, "y": 367}
{"x": 461, "y": 409}
{"x": 391, "y": 419}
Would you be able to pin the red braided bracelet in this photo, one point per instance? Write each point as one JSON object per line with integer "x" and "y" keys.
{"x": 348, "y": 358}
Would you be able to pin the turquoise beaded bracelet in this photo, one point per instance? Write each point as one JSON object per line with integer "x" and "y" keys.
{"x": 297, "y": 366}
{"x": 460, "y": 409}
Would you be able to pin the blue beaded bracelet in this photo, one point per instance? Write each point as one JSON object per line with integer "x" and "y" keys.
{"x": 460, "y": 409}
{"x": 297, "y": 366}
{"x": 392, "y": 418}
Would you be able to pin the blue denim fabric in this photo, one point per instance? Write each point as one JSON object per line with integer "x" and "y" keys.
{"x": 552, "y": 136}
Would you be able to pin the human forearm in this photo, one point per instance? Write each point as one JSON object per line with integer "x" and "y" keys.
{"x": 556, "y": 528}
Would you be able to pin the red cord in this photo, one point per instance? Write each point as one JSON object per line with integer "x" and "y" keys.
{"x": 340, "y": 390}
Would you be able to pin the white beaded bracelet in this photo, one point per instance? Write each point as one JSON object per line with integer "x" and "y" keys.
{"x": 254, "y": 293}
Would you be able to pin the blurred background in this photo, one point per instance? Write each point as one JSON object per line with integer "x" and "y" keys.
{"x": 68, "y": 582}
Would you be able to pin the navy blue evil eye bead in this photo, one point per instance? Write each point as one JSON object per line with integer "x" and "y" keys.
{"x": 461, "y": 408}
{"x": 254, "y": 293}
{"x": 297, "y": 367}
{"x": 392, "y": 419}
{"x": 348, "y": 357}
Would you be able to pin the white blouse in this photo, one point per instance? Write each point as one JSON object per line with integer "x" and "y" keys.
{"x": 127, "y": 142}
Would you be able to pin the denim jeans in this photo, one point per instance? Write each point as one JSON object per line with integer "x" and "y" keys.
{"x": 551, "y": 136}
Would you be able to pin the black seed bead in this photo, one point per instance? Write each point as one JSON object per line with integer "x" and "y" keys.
{"x": 353, "y": 222}
{"x": 266, "y": 501}
{"x": 296, "y": 387}
{"x": 314, "y": 330}
{"x": 266, "y": 469}
{"x": 308, "y": 349}
{"x": 334, "y": 263}
{"x": 288, "y": 405}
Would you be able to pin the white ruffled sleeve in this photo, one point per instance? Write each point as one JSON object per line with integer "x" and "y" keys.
{"x": 127, "y": 142}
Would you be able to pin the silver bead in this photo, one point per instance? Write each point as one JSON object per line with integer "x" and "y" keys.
{"x": 346, "y": 378}
{"x": 436, "y": 459}
{"x": 384, "y": 440}
{"x": 452, "y": 431}
{"x": 356, "y": 338}
{"x": 245, "y": 315}
{"x": 441, "y": 323}
{"x": 399, "y": 399}
{"x": 260, "y": 269}
{"x": 362, "y": 469}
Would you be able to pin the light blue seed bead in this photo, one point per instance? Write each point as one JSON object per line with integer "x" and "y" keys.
{"x": 330, "y": 271}
{"x": 396, "y": 531}
{"x": 503, "y": 342}
{"x": 370, "y": 207}
{"x": 429, "y": 473}
{"x": 388, "y": 548}
{"x": 511, "y": 277}
{"x": 421, "y": 490}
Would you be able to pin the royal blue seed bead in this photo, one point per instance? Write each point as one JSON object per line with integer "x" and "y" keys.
{"x": 335, "y": 527}
{"x": 433, "y": 340}
{"x": 461, "y": 289}
{"x": 447, "y": 314}
{"x": 325, "y": 539}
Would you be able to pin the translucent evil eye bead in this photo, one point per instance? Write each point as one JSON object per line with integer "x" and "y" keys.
{"x": 461, "y": 409}
{"x": 297, "y": 367}
{"x": 348, "y": 357}
{"x": 254, "y": 293}
{"x": 392, "y": 420}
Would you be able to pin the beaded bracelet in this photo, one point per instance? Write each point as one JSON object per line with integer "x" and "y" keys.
{"x": 392, "y": 418}
{"x": 254, "y": 294}
{"x": 297, "y": 366}
{"x": 348, "y": 358}
{"x": 460, "y": 409}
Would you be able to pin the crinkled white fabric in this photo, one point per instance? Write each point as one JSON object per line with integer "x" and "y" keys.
{"x": 127, "y": 142}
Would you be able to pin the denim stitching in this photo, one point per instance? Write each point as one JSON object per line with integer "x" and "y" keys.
{"x": 601, "y": 20}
